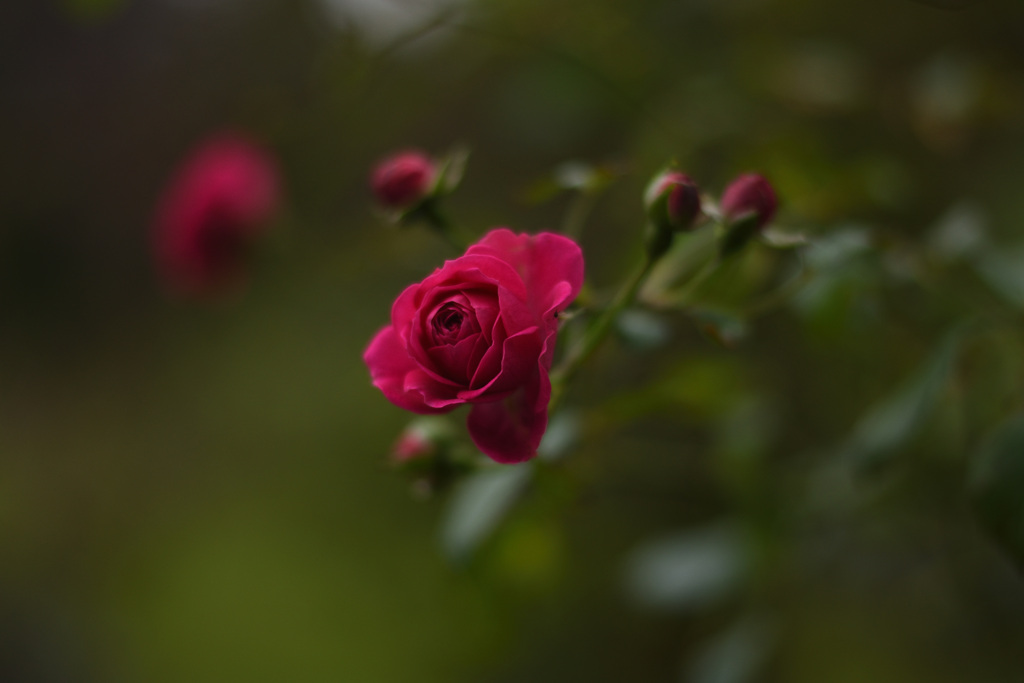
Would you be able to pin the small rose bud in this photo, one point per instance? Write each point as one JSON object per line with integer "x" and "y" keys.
{"x": 673, "y": 199}
{"x": 749, "y": 194}
{"x": 403, "y": 180}
{"x": 413, "y": 443}
{"x": 423, "y": 438}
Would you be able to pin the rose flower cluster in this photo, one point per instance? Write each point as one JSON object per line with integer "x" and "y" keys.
{"x": 481, "y": 329}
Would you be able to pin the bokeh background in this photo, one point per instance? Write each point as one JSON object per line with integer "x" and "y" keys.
{"x": 200, "y": 491}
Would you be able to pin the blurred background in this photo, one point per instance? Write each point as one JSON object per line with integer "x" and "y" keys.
{"x": 200, "y": 491}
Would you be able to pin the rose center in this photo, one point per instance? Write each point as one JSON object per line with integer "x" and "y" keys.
{"x": 449, "y": 322}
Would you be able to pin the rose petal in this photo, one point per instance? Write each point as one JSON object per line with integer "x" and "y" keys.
{"x": 436, "y": 395}
{"x": 418, "y": 335}
{"x": 509, "y": 431}
{"x": 543, "y": 261}
{"x": 461, "y": 273}
{"x": 516, "y": 313}
{"x": 519, "y": 356}
{"x": 490, "y": 361}
{"x": 452, "y": 360}
{"x": 485, "y": 305}
{"x": 390, "y": 365}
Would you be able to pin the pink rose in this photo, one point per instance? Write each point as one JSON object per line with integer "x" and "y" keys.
{"x": 481, "y": 330}
{"x": 403, "y": 179}
{"x": 219, "y": 201}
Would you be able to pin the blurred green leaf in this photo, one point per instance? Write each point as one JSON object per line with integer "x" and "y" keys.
{"x": 688, "y": 253}
{"x": 735, "y": 656}
{"x": 780, "y": 239}
{"x": 838, "y": 247}
{"x": 688, "y": 572}
{"x": 562, "y": 434}
{"x": 451, "y": 170}
{"x": 643, "y": 329}
{"x": 893, "y": 421}
{"x": 1003, "y": 269}
{"x": 572, "y": 176}
{"x": 840, "y": 275}
{"x": 996, "y": 484}
{"x": 959, "y": 233}
{"x": 479, "y": 505}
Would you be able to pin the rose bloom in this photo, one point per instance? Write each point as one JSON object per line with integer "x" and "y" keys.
{"x": 219, "y": 201}
{"x": 403, "y": 179}
{"x": 481, "y": 330}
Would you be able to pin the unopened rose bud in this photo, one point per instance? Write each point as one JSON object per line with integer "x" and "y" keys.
{"x": 424, "y": 437}
{"x": 674, "y": 199}
{"x": 413, "y": 443}
{"x": 403, "y": 180}
{"x": 749, "y": 194}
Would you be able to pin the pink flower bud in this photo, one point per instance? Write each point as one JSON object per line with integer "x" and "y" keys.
{"x": 403, "y": 179}
{"x": 674, "y": 199}
{"x": 412, "y": 444}
{"x": 216, "y": 205}
{"x": 749, "y": 194}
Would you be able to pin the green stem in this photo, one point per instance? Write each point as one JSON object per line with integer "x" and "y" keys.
{"x": 596, "y": 333}
{"x": 440, "y": 224}
{"x": 684, "y": 295}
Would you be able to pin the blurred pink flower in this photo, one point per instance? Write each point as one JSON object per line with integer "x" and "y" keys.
{"x": 403, "y": 179}
{"x": 218, "y": 202}
{"x": 481, "y": 330}
{"x": 412, "y": 444}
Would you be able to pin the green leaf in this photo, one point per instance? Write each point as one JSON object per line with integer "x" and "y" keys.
{"x": 572, "y": 176}
{"x": 1003, "y": 270}
{"x": 779, "y": 239}
{"x": 687, "y": 255}
{"x": 893, "y": 421}
{"x": 562, "y": 434}
{"x": 642, "y": 329}
{"x": 479, "y": 505}
{"x": 575, "y": 175}
{"x": 838, "y": 247}
{"x": 688, "y": 572}
{"x": 450, "y": 172}
{"x": 961, "y": 232}
{"x": 996, "y": 484}
{"x": 735, "y": 656}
